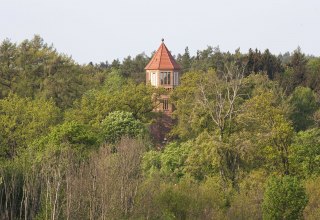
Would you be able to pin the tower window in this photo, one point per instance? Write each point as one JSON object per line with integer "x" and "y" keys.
{"x": 176, "y": 78}
{"x": 153, "y": 79}
{"x": 165, "y": 104}
{"x": 165, "y": 78}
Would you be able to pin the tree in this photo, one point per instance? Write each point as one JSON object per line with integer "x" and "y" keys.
{"x": 212, "y": 58}
{"x": 173, "y": 159}
{"x": 35, "y": 69}
{"x": 69, "y": 135}
{"x": 211, "y": 104}
{"x": 254, "y": 63}
{"x": 115, "y": 95}
{"x": 22, "y": 121}
{"x": 263, "y": 119}
{"x": 134, "y": 67}
{"x": 265, "y": 62}
{"x": 304, "y": 103}
{"x": 185, "y": 60}
{"x": 8, "y": 69}
{"x": 247, "y": 203}
{"x": 305, "y": 153}
{"x": 284, "y": 198}
{"x": 184, "y": 199}
{"x": 191, "y": 120}
{"x": 296, "y": 71}
{"x": 219, "y": 97}
{"x": 196, "y": 158}
{"x": 298, "y": 64}
{"x": 312, "y": 210}
{"x": 118, "y": 124}
{"x": 313, "y": 74}
{"x": 271, "y": 64}
{"x": 105, "y": 186}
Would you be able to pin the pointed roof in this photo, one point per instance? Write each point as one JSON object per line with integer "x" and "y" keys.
{"x": 162, "y": 60}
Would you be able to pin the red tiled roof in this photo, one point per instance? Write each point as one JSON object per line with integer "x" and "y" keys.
{"x": 162, "y": 60}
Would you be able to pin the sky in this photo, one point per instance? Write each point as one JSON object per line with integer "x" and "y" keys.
{"x": 103, "y": 30}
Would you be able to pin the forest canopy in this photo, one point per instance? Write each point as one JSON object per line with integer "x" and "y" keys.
{"x": 76, "y": 143}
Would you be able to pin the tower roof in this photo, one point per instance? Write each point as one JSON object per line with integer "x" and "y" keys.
{"x": 162, "y": 60}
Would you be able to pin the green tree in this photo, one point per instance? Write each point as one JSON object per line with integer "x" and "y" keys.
{"x": 115, "y": 95}
{"x": 247, "y": 203}
{"x": 173, "y": 159}
{"x": 118, "y": 124}
{"x": 299, "y": 65}
{"x": 304, "y": 104}
{"x": 185, "y": 199}
{"x": 185, "y": 60}
{"x": 191, "y": 120}
{"x": 295, "y": 73}
{"x": 22, "y": 121}
{"x": 305, "y": 152}
{"x": 35, "y": 69}
{"x": 271, "y": 64}
{"x": 263, "y": 121}
{"x": 284, "y": 198}
{"x": 312, "y": 210}
{"x": 313, "y": 76}
{"x": 8, "y": 68}
{"x": 197, "y": 158}
{"x": 265, "y": 62}
{"x": 209, "y": 102}
{"x": 134, "y": 67}
{"x": 203, "y": 158}
{"x": 71, "y": 135}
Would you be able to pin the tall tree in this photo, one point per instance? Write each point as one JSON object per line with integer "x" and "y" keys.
{"x": 8, "y": 68}
{"x": 185, "y": 60}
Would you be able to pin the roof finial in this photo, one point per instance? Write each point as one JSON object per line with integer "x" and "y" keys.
{"x": 162, "y": 40}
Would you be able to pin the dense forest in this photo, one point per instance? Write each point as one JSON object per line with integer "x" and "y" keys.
{"x": 75, "y": 140}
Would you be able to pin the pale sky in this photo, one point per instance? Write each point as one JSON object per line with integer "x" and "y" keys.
{"x": 100, "y": 30}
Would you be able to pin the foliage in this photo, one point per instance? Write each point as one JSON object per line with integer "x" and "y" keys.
{"x": 265, "y": 62}
{"x": 35, "y": 69}
{"x": 313, "y": 70}
{"x": 264, "y": 117}
{"x": 190, "y": 122}
{"x": 173, "y": 159}
{"x": 284, "y": 198}
{"x": 118, "y": 124}
{"x": 116, "y": 95}
{"x": 185, "y": 60}
{"x": 196, "y": 158}
{"x": 23, "y": 120}
{"x": 312, "y": 210}
{"x": 186, "y": 199}
{"x": 134, "y": 67}
{"x": 306, "y": 152}
{"x": 295, "y": 72}
{"x": 71, "y": 148}
{"x": 67, "y": 136}
{"x": 250, "y": 194}
{"x": 304, "y": 103}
